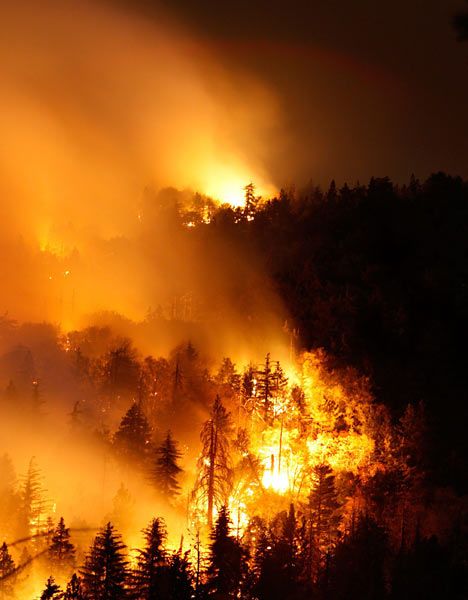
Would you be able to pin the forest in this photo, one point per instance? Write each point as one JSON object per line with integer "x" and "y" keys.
{"x": 325, "y": 460}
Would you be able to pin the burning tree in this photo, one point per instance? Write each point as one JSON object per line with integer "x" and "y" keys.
{"x": 226, "y": 560}
{"x": 33, "y": 504}
{"x": 215, "y": 473}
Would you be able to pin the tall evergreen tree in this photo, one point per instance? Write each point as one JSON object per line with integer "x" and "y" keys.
{"x": 150, "y": 573}
{"x": 323, "y": 515}
{"x": 179, "y": 577}
{"x": 166, "y": 470}
{"x": 61, "y": 549}
{"x": 226, "y": 560}
{"x": 132, "y": 440}
{"x": 7, "y": 573}
{"x": 215, "y": 473}
{"x": 105, "y": 572}
{"x": 32, "y": 504}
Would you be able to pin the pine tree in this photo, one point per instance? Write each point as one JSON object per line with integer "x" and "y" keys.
{"x": 226, "y": 560}
{"x": 52, "y": 590}
{"x": 74, "y": 589}
{"x": 105, "y": 572}
{"x": 7, "y": 572}
{"x": 150, "y": 573}
{"x": 215, "y": 473}
{"x": 166, "y": 470}
{"x": 323, "y": 515}
{"x": 271, "y": 386}
{"x": 179, "y": 577}
{"x": 132, "y": 440}
{"x": 277, "y": 558}
{"x": 61, "y": 550}
{"x": 264, "y": 390}
{"x": 32, "y": 502}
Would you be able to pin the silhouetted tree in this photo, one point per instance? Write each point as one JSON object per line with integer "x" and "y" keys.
{"x": 225, "y": 561}
{"x": 7, "y": 573}
{"x": 179, "y": 577}
{"x": 166, "y": 470}
{"x": 322, "y": 514}
{"x": 150, "y": 574}
{"x": 105, "y": 571}
{"x": 61, "y": 549}
{"x": 74, "y": 589}
{"x": 132, "y": 441}
{"x": 51, "y": 590}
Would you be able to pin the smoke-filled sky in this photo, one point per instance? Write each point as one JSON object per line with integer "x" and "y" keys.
{"x": 102, "y": 99}
{"x": 366, "y": 88}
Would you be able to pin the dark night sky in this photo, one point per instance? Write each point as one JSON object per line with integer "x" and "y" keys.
{"x": 368, "y": 87}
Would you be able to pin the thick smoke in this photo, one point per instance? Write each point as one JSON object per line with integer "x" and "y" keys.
{"x": 97, "y": 106}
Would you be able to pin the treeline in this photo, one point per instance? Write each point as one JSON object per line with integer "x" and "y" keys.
{"x": 274, "y": 559}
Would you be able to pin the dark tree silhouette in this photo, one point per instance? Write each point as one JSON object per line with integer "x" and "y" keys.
{"x": 74, "y": 590}
{"x": 105, "y": 572}
{"x": 61, "y": 549}
{"x": 132, "y": 440}
{"x": 179, "y": 577}
{"x": 225, "y": 567}
{"x": 322, "y": 513}
{"x": 7, "y": 573}
{"x": 166, "y": 471}
{"x": 51, "y": 590}
{"x": 150, "y": 575}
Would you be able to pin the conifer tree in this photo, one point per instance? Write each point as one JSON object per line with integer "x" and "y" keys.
{"x": 323, "y": 514}
{"x": 226, "y": 560}
{"x": 51, "y": 590}
{"x": 61, "y": 549}
{"x": 166, "y": 470}
{"x": 149, "y": 575}
{"x": 32, "y": 502}
{"x": 215, "y": 473}
{"x": 74, "y": 589}
{"x": 179, "y": 577}
{"x": 132, "y": 440}
{"x": 7, "y": 572}
{"x": 105, "y": 572}
{"x": 271, "y": 385}
{"x": 276, "y": 558}
{"x": 264, "y": 390}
